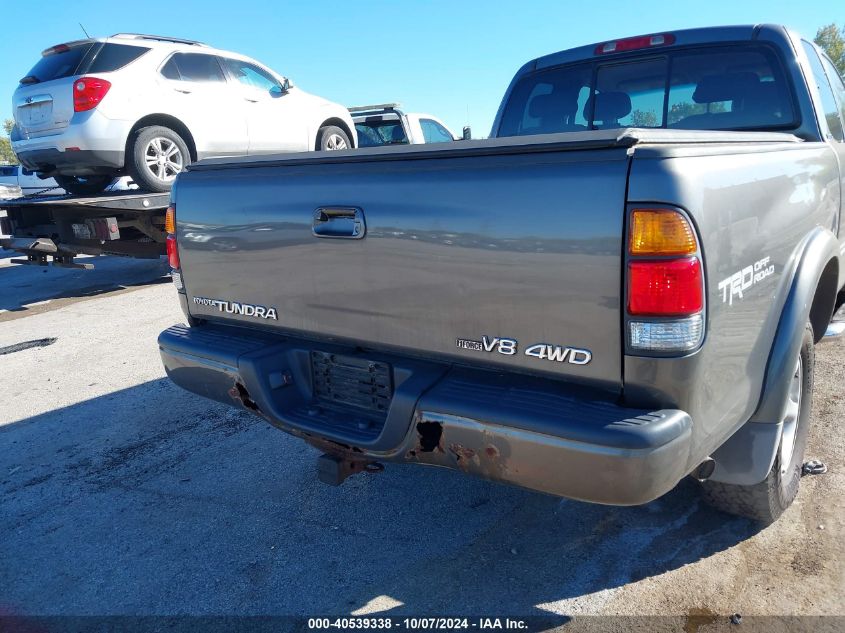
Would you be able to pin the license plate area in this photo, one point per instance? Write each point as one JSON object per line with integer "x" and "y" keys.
{"x": 35, "y": 114}
{"x": 356, "y": 389}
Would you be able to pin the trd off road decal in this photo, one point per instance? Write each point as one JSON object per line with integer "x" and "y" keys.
{"x": 742, "y": 280}
{"x": 543, "y": 351}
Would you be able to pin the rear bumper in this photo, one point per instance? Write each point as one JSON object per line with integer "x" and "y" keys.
{"x": 530, "y": 432}
{"x": 100, "y": 141}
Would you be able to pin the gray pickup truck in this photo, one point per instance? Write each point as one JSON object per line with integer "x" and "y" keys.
{"x": 622, "y": 287}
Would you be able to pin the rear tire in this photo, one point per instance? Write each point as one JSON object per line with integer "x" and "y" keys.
{"x": 331, "y": 138}
{"x": 83, "y": 185}
{"x": 155, "y": 156}
{"x": 767, "y": 500}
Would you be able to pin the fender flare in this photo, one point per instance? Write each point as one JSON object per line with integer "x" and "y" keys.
{"x": 747, "y": 456}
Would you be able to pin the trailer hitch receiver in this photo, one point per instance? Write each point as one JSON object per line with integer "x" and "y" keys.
{"x": 334, "y": 470}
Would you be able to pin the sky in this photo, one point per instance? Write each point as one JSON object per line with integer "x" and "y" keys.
{"x": 452, "y": 59}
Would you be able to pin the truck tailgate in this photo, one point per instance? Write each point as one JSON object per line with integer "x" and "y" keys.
{"x": 521, "y": 246}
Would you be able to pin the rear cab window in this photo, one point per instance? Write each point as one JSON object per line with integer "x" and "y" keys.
{"x": 629, "y": 95}
{"x": 376, "y": 131}
{"x": 708, "y": 88}
{"x": 58, "y": 62}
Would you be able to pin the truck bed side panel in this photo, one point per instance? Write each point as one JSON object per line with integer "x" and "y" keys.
{"x": 753, "y": 208}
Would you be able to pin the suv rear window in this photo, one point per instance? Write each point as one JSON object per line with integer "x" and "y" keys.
{"x": 113, "y": 57}
{"x": 58, "y": 65}
{"x": 715, "y": 88}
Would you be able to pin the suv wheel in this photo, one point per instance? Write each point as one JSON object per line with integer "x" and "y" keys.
{"x": 83, "y": 185}
{"x": 156, "y": 156}
{"x": 767, "y": 500}
{"x": 331, "y": 137}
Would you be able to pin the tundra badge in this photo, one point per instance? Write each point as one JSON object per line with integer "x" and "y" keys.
{"x": 234, "y": 307}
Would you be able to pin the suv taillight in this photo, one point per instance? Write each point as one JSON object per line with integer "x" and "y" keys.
{"x": 88, "y": 92}
{"x": 665, "y": 283}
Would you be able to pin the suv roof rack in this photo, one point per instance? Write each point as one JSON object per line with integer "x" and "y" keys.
{"x": 384, "y": 107}
{"x": 157, "y": 38}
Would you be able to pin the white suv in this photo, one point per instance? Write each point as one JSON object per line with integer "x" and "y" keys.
{"x": 145, "y": 105}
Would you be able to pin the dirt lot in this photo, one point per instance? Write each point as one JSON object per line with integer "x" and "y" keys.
{"x": 124, "y": 495}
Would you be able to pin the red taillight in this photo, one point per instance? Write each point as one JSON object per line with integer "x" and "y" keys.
{"x": 172, "y": 252}
{"x": 665, "y": 287}
{"x": 88, "y": 92}
{"x": 635, "y": 43}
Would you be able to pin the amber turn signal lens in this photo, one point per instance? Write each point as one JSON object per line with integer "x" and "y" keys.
{"x": 170, "y": 221}
{"x": 660, "y": 232}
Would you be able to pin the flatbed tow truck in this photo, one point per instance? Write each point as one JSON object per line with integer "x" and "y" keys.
{"x": 55, "y": 229}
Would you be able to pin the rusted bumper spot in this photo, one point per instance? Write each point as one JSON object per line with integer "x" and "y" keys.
{"x": 468, "y": 449}
{"x": 239, "y": 394}
{"x": 429, "y": 435}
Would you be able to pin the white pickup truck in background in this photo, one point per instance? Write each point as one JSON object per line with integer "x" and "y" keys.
{"x": 386, "y": 124}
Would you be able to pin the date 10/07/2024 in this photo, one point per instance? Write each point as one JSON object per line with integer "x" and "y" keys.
{"x": 417, "y": 624}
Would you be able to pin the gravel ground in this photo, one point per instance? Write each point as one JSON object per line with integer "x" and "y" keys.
{"x": 123, "y": 495}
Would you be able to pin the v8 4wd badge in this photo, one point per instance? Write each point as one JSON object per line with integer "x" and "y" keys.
{"x": 543, "y": 351}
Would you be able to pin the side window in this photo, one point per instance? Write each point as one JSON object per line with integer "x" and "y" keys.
{"x": 433, "y": 132}
{"x": 251, "y": 75}
{"x": 831, "y": 111}
{"x": 112, "y": 57}
{"x": 837, "y": 85}
{"x": 193, "y": 67}
{"x": 170, "y": 71}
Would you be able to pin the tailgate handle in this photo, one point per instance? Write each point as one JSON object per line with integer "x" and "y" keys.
{"x": 339, "y": 222}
